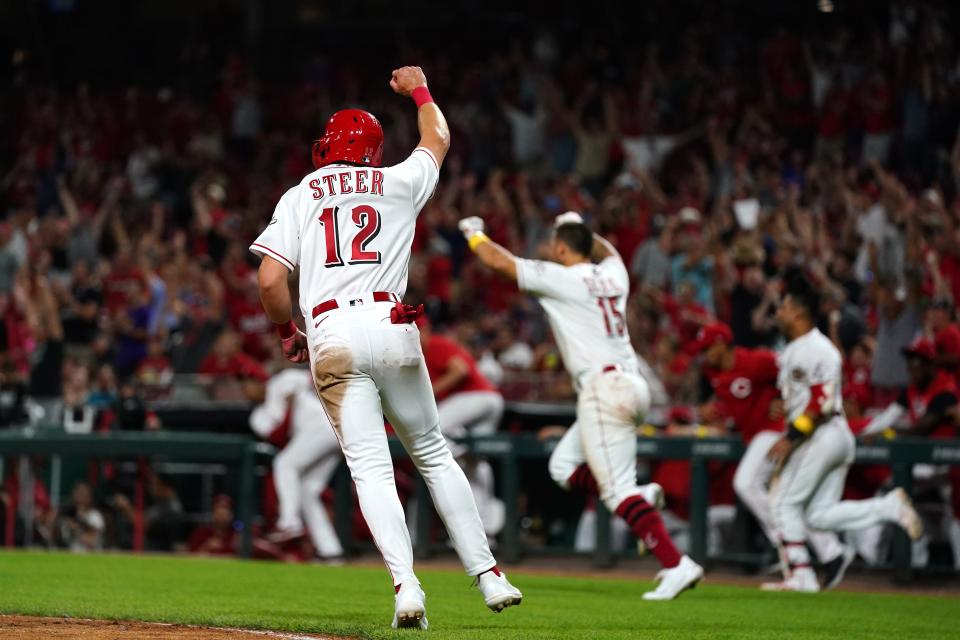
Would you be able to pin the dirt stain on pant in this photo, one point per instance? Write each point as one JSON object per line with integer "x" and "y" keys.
{"x": 332, "y": 370}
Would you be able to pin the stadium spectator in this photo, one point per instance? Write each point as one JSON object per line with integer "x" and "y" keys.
{"x": 221, "y": 536}
{"x": 81, "y": 525}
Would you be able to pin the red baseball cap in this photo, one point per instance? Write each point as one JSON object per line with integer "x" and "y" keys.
{"x": 708, "y": 336}
{"x": 921, "y": 348}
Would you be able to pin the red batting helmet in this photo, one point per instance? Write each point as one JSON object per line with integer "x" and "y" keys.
{"x": 353, "y": 136}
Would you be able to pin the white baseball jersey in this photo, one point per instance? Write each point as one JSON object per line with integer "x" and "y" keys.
{"x": 586, "y": 306}
{"x": 810, "y": 360}
{"x": 349, "y": 228}
{"x": 307, "y": 414}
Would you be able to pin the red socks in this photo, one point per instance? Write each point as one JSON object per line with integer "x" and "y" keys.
{"x": 646, "y": 524}
{"x": 582, "y": 479}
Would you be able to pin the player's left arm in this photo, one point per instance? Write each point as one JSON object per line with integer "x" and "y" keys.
{"x": 491, "y": 255}
{"x": 457, "y": 370}
{"x": 820, "y": 409}
{"x": 938, "y": 411}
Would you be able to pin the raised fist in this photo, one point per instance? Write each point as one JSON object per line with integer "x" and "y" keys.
{"x": 471, "y": 226}
{"x": 406, "y": 79}
{"x": 570, "y": 217}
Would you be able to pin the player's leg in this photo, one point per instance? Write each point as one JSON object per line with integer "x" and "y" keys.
{"x": 314, "y": 481}
{"x": 752, "y": 478}
{"x": 608, "y": 410}
{"x": 828, "y": 450}
{"x": 568, "y": 463}
{"x": 340, "y": 356}
{"x": 303, "y": 450}
{"x": 409, "y": 405}
{"x": 825, "y": 510}
{"x": 750, "y": 483}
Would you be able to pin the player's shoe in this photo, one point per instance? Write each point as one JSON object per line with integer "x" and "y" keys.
{"x": 834, "y": 570}
{"x": 676, "y": 580}
{"x": 409, "y": 611}
{"x": 497, "y": 592}
{"x": 907, "y": 516}
{"x": 800, "y": 581}
{"x": 286, "y": 534}
{"x": 653, "y": 494}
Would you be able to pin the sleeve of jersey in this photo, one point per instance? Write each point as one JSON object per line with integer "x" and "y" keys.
{"x": 767, "y": 366}
{"x": 542, "y": 278}
{"x": 422, "y": 172}
{"x": 824, "y": 401}
{"x": 281, "y": 239}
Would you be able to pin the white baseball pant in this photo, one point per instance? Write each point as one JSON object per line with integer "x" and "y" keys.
{"x": 475, "y": 413}
{"x": 806, "y": 495}
{"x": 301, "y": 472}
{"x": 366, "y": 368}
{"x": 751, "y": 482}
{"x": 609, "y": 408}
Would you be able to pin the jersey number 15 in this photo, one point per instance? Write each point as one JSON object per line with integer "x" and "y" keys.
{"x": 612, "y": 319}
{"x": 367, "y": 220}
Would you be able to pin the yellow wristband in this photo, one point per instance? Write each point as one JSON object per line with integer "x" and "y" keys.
{"x": 803, "y": 424}
{"x": 648, "y": 430}
{"x": 889, "y": 434}
{"x": 477, "y": 239}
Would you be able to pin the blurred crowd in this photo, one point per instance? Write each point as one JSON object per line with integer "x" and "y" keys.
{"x": 713, "y": 161}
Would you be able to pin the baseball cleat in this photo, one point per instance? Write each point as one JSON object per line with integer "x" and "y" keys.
{"x": 834, "y": 570}
{"x": 282, "y": 535}
{"x": 653, "y": 494}
{"x": 676, "y": 580}
{"x": 497, "y": 592}
{"x": 409, "y": 610}
{"x": 907, "y": 516}
{"x": 801, "y": 581}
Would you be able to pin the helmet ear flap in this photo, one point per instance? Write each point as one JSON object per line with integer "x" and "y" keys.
{"x": 320, "y": 149}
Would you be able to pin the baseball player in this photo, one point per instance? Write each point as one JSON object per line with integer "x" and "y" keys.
{"x": 818, "y": 447}
{"x": 584, "y": 293}
{"x": 927, "y": 404}
{"x": 304, "y": 466}
{"x": 349, "y": 226}
{"x": 467, "y": 404}
{"x": 744, "y": 384}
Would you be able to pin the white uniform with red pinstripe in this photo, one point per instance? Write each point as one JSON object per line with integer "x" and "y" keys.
{"x": 807, "y": 493}
{"x": 586, "y": 307}
{"x": 350, "y": 230}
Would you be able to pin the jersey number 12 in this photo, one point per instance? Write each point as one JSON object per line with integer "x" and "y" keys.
{"x": 367, "y": 220}
{"x": 612, "y": 319}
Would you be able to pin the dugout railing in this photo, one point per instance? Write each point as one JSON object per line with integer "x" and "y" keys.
{"x": 508, "y": 451}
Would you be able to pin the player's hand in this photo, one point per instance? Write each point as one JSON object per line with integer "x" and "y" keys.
{"x": 776, "y": 410}
{"x": 295, "y": 347}
{"x": 570, "y": 217}
{"x": 470, "y": 226}
{"x": 406, "y": 79}
{"x": 780, "y": 451}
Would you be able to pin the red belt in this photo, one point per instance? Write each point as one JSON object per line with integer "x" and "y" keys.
{"x": 611, "y": 367}
{"x": 330, "y": 305}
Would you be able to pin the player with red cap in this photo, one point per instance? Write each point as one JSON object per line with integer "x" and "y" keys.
{"x": 744, "y": 385}
{"x": 349, "y": 227}
{"x": 925, "y": 408}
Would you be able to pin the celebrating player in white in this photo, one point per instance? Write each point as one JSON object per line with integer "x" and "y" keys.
{"x": 584, "y": 293}
{"x": 304, "y": 466}
{"x": 818, "y": 448}
{"x": 349, "y": 226}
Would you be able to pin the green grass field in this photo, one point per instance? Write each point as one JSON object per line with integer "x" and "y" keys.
{"x": 356, "y": 601}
